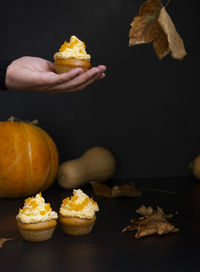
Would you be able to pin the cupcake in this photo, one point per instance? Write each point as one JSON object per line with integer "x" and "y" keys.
{"x": 36, "y": 221}
{"x": 72, "y": 55}
{"x": 77, "y": 213}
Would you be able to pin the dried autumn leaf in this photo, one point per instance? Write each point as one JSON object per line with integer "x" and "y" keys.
{"x": 116, "y": 191}
{"x": 144, "y": 211}
{"x": 3, "y": 240}
{"x": 101, "y": 189}
{"x": 152, "y": 222}
{"x": 125, "y": 190}
{"x": 153, "y": 24}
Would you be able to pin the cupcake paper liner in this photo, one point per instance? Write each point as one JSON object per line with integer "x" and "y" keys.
{"x": 37, "y": 235}
{"x": 64, "y": 69}
{"x": 77, "y": 230}
{"x": 76, "y": 226}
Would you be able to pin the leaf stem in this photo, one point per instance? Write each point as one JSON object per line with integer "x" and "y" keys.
{"x": 167, "y": 3}
{"x": 158, "y": 190}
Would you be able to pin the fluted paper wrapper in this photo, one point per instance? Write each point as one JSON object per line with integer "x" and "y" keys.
{"x": 37, "y": 235}
{"x": 77, "y": 230}
{"x": 77, "y": 226}
{"x": 64, "y": 69}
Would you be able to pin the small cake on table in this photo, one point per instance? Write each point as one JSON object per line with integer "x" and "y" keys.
{"x": 77, "y": 213}
{"x": 36, "y": 221}
{"x": 72, "y": 55}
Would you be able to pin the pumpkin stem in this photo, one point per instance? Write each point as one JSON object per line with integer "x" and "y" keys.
{"x": 13, "y": 119}
{"x": 34, "y": 122}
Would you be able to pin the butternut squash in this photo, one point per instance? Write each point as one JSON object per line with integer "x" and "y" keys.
{"x": 195, "y": 167}
{"x": 96, "y": 164}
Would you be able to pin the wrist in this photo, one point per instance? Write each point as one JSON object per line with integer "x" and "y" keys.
{"x": 8, "y": 76}
{"x": 4, "y": 64}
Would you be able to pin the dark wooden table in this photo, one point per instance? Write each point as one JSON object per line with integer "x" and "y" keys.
{"x": 106, "y": 249}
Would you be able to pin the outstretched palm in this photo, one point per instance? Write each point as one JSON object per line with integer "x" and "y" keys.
{"x": 37, "y": 74}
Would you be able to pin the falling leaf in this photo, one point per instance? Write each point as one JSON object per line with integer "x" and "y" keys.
{"x": 153, "y": 24}
{"x": 3, "y": 240}
{"x": 128, "y": 190}
{"x": 152, "y": 222}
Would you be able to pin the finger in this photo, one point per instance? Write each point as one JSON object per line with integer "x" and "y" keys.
{"x": 56, "y": 79}
{"x": 84, "y": 77}
{"x": 83, "y": 86}
{"x": 102, "y": 75}
{"x": 75, "y": 82}
{"x": 102, "y": 68}
{"x": 51, "y": 66}
{"x": 89, "y": 82}
{"x": 77, "y": 71}
{"x": 65, "y": 77}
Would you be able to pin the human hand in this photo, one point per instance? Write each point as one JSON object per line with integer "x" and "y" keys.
{"x": 37, "y": 74}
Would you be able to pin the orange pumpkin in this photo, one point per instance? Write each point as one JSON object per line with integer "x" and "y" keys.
{"x": 28, "y": 159}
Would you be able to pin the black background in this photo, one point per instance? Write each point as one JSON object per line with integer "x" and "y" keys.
{"x": 145, "y": 111}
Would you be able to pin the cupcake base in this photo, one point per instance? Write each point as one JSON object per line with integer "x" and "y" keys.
{"x": 66, "y": 65}
{"x": 36, "y": 232}
{"x": 77, "y": 226}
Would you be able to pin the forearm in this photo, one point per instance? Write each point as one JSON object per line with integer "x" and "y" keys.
{"x": 3, "y": 68}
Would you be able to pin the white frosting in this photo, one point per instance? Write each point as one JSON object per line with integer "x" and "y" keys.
{"x": 79, "y": 205}
{"x": 36, "y": 210}
{"x": 73, "y": 49}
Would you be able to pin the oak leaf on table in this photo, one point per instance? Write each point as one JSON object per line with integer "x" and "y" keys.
{"x": 128, "y": 190}
{"x": 3, "y": 240}
{"x": 153, "y": 24}
{"x": 151, "y": 222}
